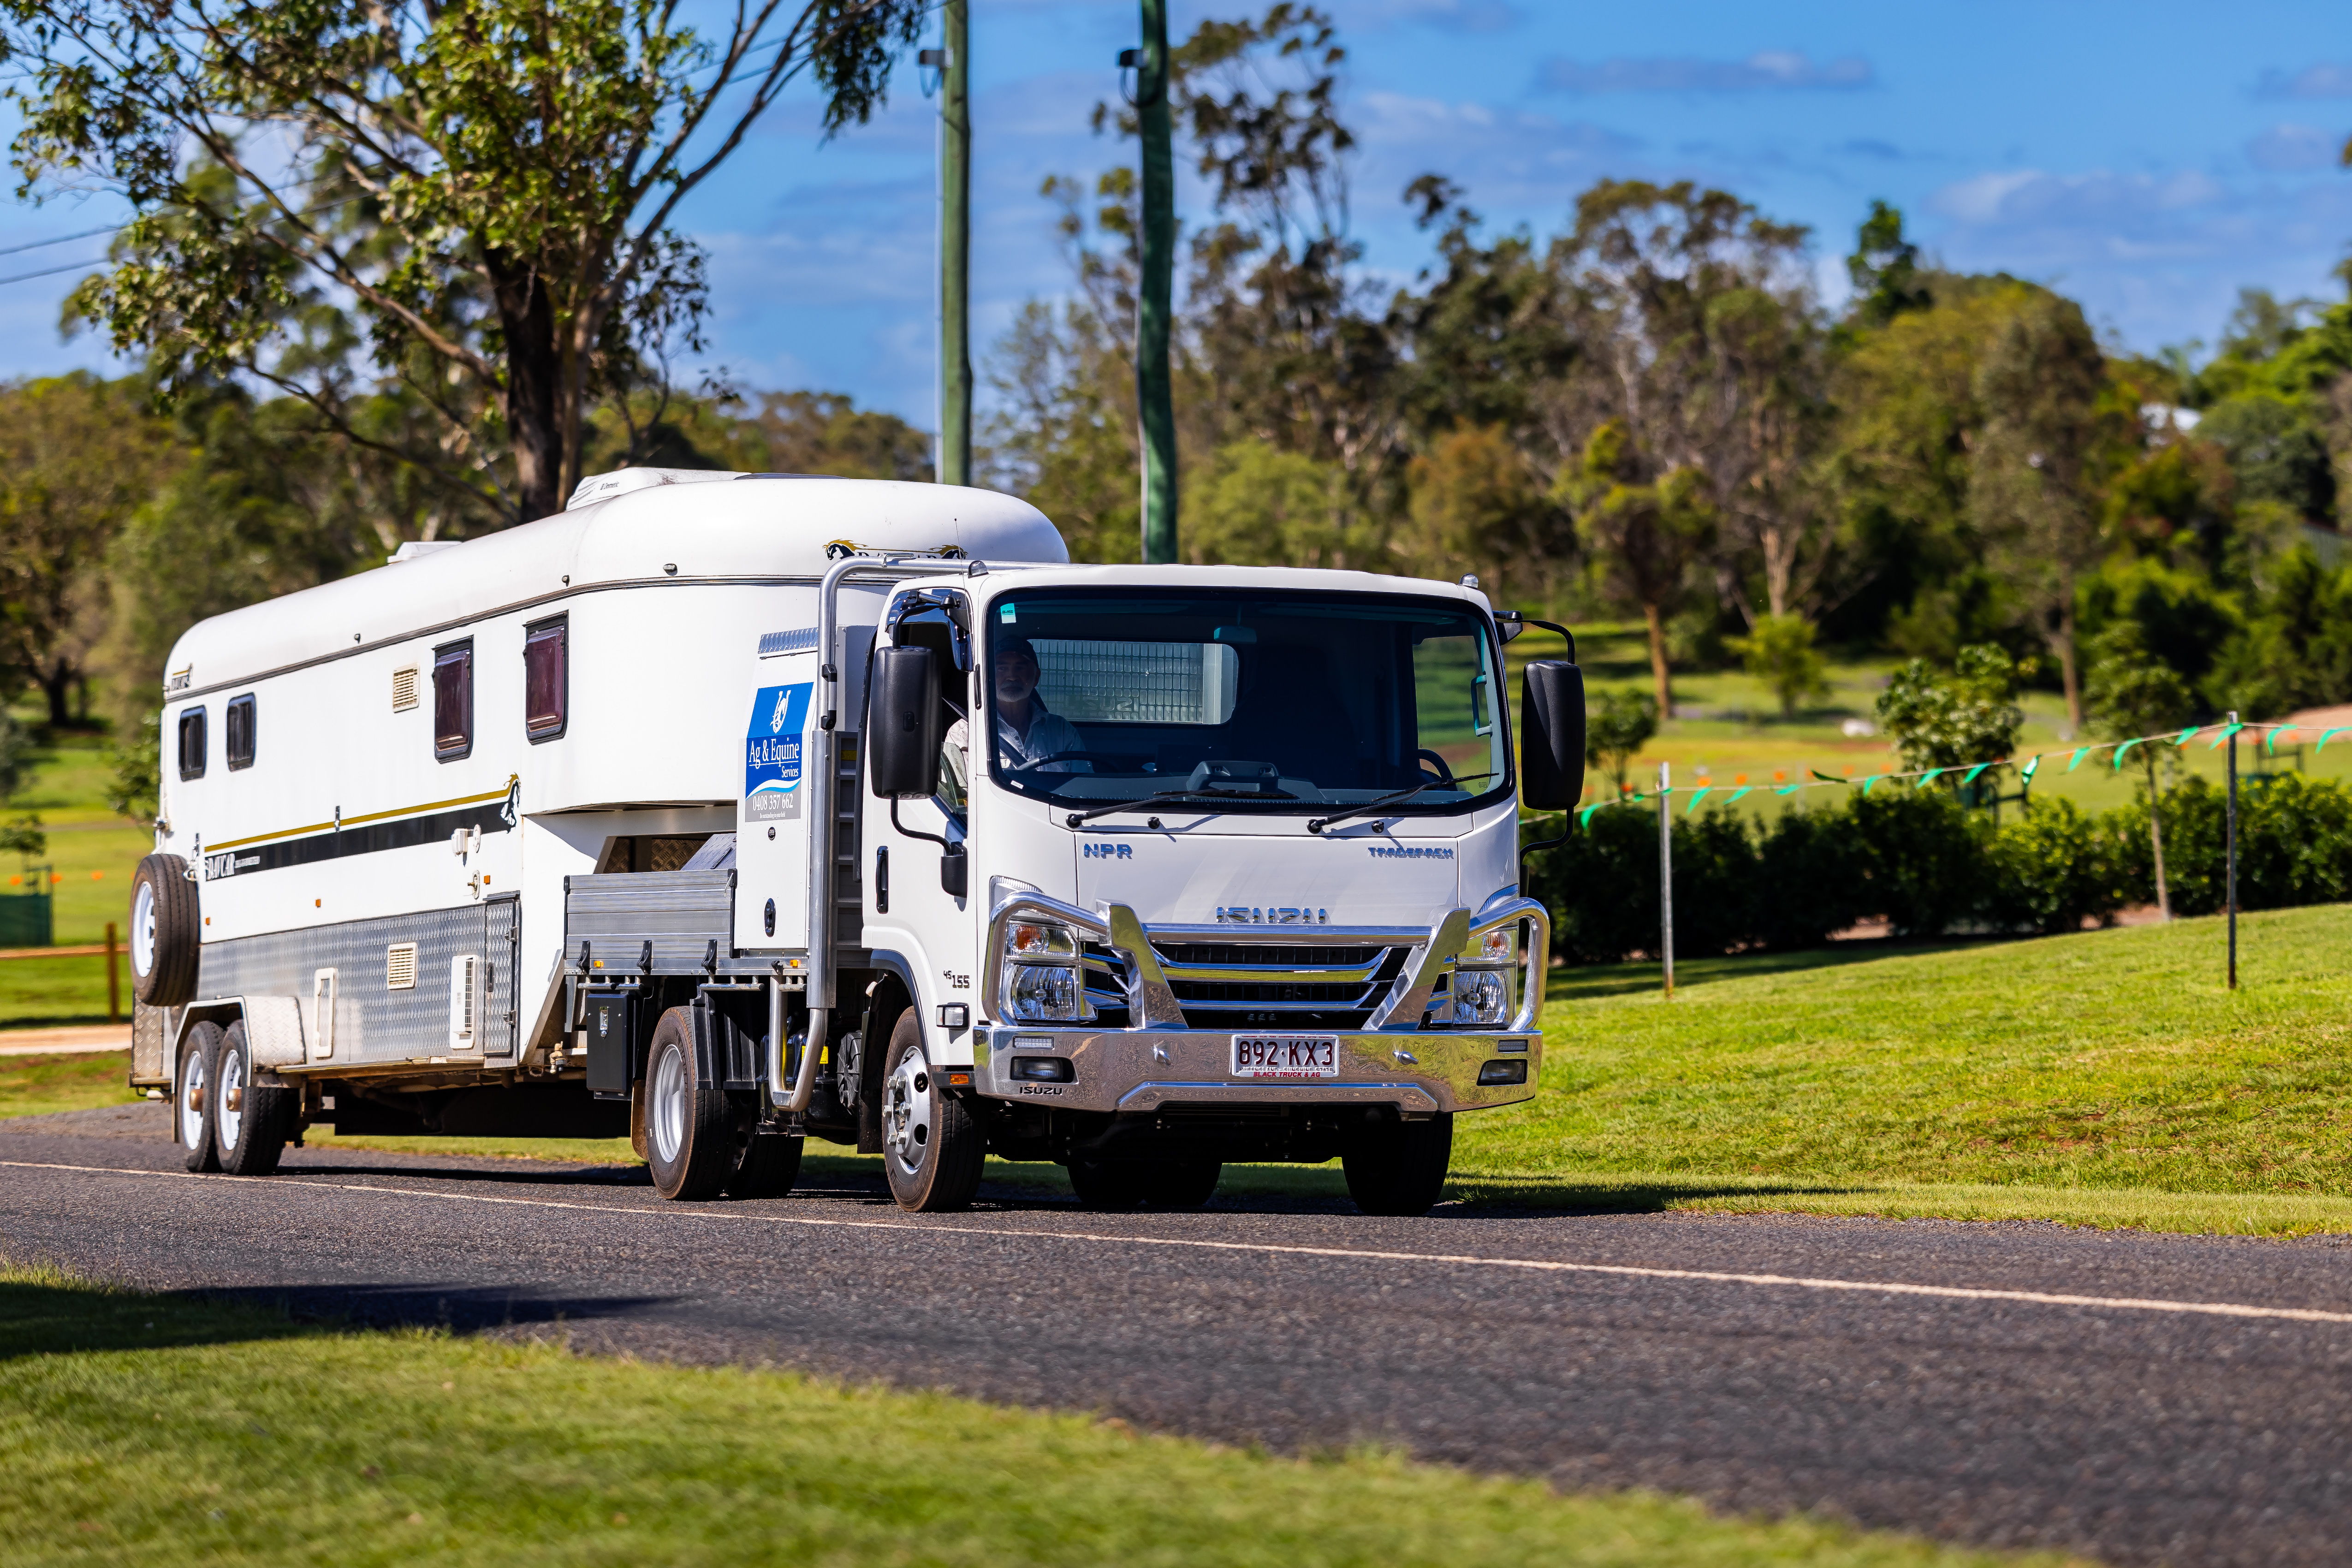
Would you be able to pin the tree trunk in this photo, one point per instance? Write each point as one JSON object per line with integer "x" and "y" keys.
{"x": 2155, "y": 842}
{"x": 535, "y": 390}
{"x": 1659, "y": 676}
{"x": 57, "y": 685}
{"x": 2065, "y": 645}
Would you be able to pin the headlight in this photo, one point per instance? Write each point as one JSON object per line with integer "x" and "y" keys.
{"x": 1481, "y": 996}
{"x": 1043, "y": 992}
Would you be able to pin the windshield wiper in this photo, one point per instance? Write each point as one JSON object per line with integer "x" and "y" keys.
{"x": 1076, "y": 817}
{"x": 1318, "y": 823}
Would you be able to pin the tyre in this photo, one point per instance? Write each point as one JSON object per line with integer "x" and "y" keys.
{"x": 251, "y": 1121}
{"x": 690, "y": 1135}
{"x": 1123, "y": 1185}
{"x": 766, "y": 1167}
{"x": 931, "y": 1147}
{"x": 1400, "y": 1168}
{"x": 193, "y": 1096}
{"x": 164, "y": 931}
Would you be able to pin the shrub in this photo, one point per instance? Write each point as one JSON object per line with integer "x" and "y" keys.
{"x": 2053, "y": 868}
{"x": 1809, "y": 880}
{"x": 1924, "y": 858}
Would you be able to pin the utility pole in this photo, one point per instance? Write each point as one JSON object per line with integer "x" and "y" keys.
{"x": 955, "y": 246}
{"x": 2231, "y": 892}
{"x": 1154, "y": 397}
{"x": 1666, "y": 873}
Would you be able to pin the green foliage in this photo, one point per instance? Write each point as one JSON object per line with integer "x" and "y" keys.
{"x": 1884, "y": 270}
{"x": 135, "y": 769}
{"x": 1955, "y": 721}
{"x": 1781, "y": 653}
{"x": 2131, "y": 692}
{"x": 22, "y": 836}
{"x": 1615, "y": 727}
{"x": 14, "y": 746}
{"x": 1930, "y": 866}
{"x": 478, "y": 199}
{"x": 2277, "y": 450}
{"x": 2296, "y": 650}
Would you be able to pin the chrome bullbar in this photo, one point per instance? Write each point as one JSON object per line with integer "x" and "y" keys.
{"x": 1157, "y": 1009}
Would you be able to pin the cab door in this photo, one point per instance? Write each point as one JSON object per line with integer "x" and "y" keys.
{"x": 919, "y": 902}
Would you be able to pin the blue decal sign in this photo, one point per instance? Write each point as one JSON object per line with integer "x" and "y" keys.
{"x": 772, "y": 752}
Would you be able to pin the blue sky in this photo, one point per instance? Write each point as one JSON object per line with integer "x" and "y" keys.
{"x": 2146, "y": 158}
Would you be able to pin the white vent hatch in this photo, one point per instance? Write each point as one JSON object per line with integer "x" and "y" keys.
{"x": 399, "y": 966}
{"x": 465, "y": 1002}
{"x": 404, "y": 688}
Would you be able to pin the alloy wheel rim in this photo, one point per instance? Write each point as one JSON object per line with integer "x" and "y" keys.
{"x": 667, "y": 1104}
{"x": 192, "y": 1091}
{"x": 142, "y": 930}
{"x": 229, "y": 1114}
{"x": 906, "y": 1113}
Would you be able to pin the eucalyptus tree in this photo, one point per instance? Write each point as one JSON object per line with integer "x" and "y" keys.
{"x": 485, "y": 189}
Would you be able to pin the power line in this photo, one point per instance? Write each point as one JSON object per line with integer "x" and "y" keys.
{"x": 53, "y": 271}
{"x": 85, "y": 233}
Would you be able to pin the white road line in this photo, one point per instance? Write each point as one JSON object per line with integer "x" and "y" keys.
{"x": 1531, "y": 1265}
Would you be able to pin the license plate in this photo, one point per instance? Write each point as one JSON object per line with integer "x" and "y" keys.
{"x": 1286, "y": 1055}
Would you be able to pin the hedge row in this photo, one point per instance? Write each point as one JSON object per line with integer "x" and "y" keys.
{"x": 1931, "y": 866}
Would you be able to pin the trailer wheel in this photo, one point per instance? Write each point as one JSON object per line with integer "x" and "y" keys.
{"x": 193, "y": 1096}
{"x": 689, "y": 1139}
{"x": 931, "y": 1147}
{"x": 250, "y": 1120}
{"x": 164, "y": 931}
{"x": 768, "y": 1166}
{"x": 1399, "y": 1168}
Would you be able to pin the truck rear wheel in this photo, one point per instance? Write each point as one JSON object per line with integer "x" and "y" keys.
{"x": 931, "y": 1147}
{"x": 193, "y": 1096}
{"x": 1399, "y": 1168}
{"x": 164, "y": 931}
{"x": 689, "y": 1137}
{"x": 250, "y": 1120}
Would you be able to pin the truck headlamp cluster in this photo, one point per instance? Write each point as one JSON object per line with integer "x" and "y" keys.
{"x": 1486, "y": 986}
{"x": 1482, "y": 996}
{"x": 1042, "y": 980}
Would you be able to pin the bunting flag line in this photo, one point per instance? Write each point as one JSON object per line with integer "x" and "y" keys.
{"x": 2026, "y": 766}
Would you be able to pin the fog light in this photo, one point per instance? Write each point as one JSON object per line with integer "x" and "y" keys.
{"x": 1041, "y": 991}
{"x": 1502, "y": 1072}
{"x": 1044, "y": 1070}
{"x": 1481, "y": 996}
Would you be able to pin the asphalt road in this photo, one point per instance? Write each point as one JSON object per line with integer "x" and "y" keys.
{"x": 1725, "y": 1357}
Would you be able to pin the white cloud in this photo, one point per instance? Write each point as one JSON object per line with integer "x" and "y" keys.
{"x": 2327, "y": 80}
{"x": 1766, "y": 70}
{"x": 2293, "y": 149}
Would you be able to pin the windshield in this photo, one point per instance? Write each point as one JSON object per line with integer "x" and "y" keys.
{"x": 1256, "y": 702}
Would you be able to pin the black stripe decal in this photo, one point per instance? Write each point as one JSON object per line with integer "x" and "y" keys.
{"x": 403, "y": 833}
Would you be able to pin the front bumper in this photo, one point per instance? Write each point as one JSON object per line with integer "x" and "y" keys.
{"x": 1137, "y": 1071}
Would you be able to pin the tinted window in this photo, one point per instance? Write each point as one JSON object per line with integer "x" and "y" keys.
{"x": 545, "y": 672}
{"x": 236, "y": 732}
{"x": 453, "y": 700}
{"x": 192, "y": 743}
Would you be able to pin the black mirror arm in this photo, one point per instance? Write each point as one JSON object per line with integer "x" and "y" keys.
{"x": 949, "y": 845}
{"x": 1567, "y": 831}
{"x": 1566, "y": 636}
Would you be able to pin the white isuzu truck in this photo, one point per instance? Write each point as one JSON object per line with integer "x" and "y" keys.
{"x": 725, "y": 810}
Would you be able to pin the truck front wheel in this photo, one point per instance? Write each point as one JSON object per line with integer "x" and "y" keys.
{"x": 1399, "y": 1167}
{"x": 689, "y": 1137}
{"x": 931, "y": 1147}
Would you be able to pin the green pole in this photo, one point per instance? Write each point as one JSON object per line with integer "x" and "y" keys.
{"x": 1155, "y": 400}
{"x": 955, "y": 248}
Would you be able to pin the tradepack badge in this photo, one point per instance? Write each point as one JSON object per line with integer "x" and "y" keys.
{"x": 772, "y": 752}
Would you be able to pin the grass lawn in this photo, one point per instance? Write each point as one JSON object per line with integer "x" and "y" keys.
{"x": 2107, "y": 1077}
{"x": 149, "y": 1428}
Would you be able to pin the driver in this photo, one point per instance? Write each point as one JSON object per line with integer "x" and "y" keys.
{"x": 1026, "y": 730}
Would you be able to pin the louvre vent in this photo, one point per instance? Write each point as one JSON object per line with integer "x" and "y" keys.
{"x": 399, "y": 966}
{"x": 404, "y": 688}
{"x": 464, "y": 1002}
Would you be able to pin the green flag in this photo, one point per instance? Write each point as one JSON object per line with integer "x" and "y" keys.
{"x": 2080, "y": 752}
{"x": 1790, "y": 789}
{"x": 1829, "y": 778}
{"x": 1929, "y": 774}
{"x": 2187, "y": 735}
{"x": 2227, "y": 730}
{"x": 1970, "y": 776}
{"x": 2122, "y": 749}
{"x": 2025, "y": 773}
{"x": 2329, "y": 736}
{"x": 1743, "y": 789}
{"x": 1703, "y": 791}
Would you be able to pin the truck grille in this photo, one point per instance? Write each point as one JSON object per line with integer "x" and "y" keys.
{"x": 1239, "y": 984}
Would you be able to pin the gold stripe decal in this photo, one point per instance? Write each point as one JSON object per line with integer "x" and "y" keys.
{"x": 512, "y": 779}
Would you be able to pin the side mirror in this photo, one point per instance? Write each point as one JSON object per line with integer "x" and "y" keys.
{"x": 902, "y": 723}
{"x": 1551, "y": 735}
